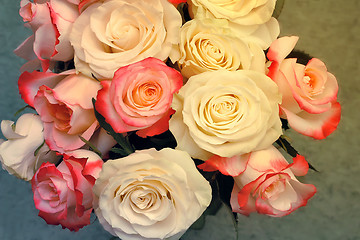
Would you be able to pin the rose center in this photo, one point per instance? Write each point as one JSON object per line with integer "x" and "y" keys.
{"x": 122, "y": 32}
{"x": 312, "y": 85}
{"x": 223, "y": 108}
{"x": 61, "y": 116}
{"x": 147, "y": 94}
{"x": 274, "y": 189}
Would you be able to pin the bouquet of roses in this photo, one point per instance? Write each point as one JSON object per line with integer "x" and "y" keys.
{"x": 154, "y": 113}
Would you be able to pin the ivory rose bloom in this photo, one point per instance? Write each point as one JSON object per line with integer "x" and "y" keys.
{"x": 51, "y": 22}
{"x": 309, "y": 92}
{"x": 226, "y": 113}
{"x": 63, "y": 194}
{"x": 67, "y": 111}
{"x": 116, "y": 33}
{"x": 150, "y": 195}
{"x": 269, "y": 186}
{"x": 139, "y": 97}
{"x": 248, "y": 12}
{"x": 24, "y": 151}
{"x": 211, "y": 45}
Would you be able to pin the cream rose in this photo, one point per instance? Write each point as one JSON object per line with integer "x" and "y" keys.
{"x": 116, "y": 33}
{"x": 226, "y": 113}
{"x": 242, "y": 12}
{"x": 211, "y": 45}
{"x": 150, "y": 195}
{"x": 24, "y": 151}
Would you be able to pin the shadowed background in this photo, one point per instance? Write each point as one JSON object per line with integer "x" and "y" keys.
{"x": 328, "y": 30}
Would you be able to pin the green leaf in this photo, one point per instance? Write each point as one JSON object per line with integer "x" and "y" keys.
{"x": 119, "y": 138}
{"x": 199, "y": 224}
{"x": 278, "y": 8}
{"x": 23, "y": 109}
{"x": 38, "y": 149}
{"x": 92, "y": 147}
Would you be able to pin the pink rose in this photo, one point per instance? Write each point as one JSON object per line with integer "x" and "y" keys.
{"x": 309, "y": 92}
{"x": 63, "y": 194}
{"x": 64, "y": 103}
{"x": 51, "y": 22}
{"x": 264, "y": 182}
{"x": 139, "y": 97}
{"x": 268, "y": 185}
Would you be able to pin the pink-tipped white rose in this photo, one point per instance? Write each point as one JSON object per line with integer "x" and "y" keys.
{"x": 63, "y": 194}
{"x": 309, "y": 92}
{"x": 64, "y": 103}
{"x": 269, "y": 186}
{"x": 51, "y": 22}
{"x": 264, "y": 182}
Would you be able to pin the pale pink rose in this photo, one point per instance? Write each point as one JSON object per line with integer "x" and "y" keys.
{"x": 64, "y": 103}
{"x": 309, "y": 92}
{"x": 63, "y": 194}
{"x": 24, "y": 150}
{"x": 264, "y": 182}
{"x": 139, "y": 97}
{"x": 51, "y": 22}
{"x": 115, "y": 33}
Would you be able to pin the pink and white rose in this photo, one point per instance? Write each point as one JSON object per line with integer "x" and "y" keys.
{"x": 24, "y": 150}
{"x": 51, "y": 22}
{"x": 139, "y": 97}
{"x": 264, "y": 182}
{"x": 309, "y": 92}
{"x": 226, "y": 113}
{"x": 150, "y": 194}
{"x": 115, "y": 33}
{"x": 269, "y": 186}
{"x": 63, "y": 194}
{"x": 64, "y": 103}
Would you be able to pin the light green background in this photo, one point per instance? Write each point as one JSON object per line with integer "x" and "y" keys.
{"x": 329, "y": 30}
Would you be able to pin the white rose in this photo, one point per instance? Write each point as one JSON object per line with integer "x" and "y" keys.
{"x": 150, "y": 195}
{"x": 210, "y": 45}
{"x": 116, "y": 33}
{"x": 226, "y": 113}
{"x": 249, "y": 12}
{"x": 25, "y": 150}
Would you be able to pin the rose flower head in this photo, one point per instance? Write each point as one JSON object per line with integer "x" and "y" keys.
{"x": 309, "y": 91}
{"x": 63, "y": 194}
{"x": 226, "y": 113}
{"x": 150, "y": 194}
{"x": 139, "y": 97}
{"x": 115, "y": 33}
{"x": 25, "y": 150}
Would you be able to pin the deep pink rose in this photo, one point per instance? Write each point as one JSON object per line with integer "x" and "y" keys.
{"x": 139, "y": 97}
{"x": 63, "y": 194}
{"x": 51, "y": 22}
{"x": 309, "y": 92}
{"x": 64, "y": 103}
